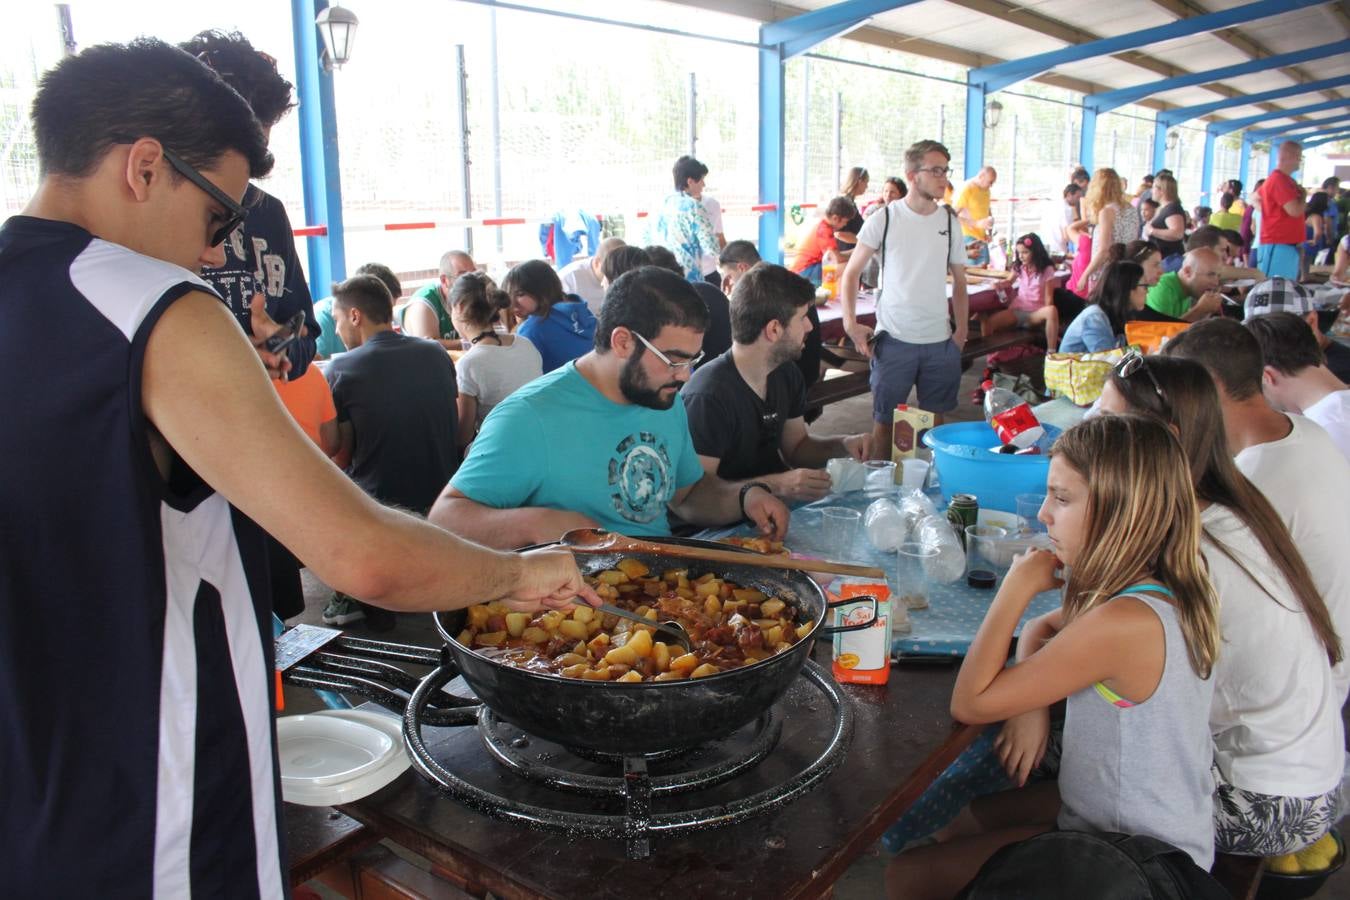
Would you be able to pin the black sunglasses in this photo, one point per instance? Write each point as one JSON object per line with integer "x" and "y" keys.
{"x": 236, "y": 213}
{"x": 1134, "y": 361}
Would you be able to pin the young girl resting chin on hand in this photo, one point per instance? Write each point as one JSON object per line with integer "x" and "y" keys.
{"x": 1131, "y": 648}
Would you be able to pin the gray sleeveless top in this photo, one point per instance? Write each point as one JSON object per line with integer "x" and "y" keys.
{"x": 1144, "y": 768}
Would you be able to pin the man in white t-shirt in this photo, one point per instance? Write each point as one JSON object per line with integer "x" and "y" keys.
{"x": 1290, "y": 458}
{"x": 1058, "y": 218}
{"x": 915, "y": 344}
{"x": 1296, "y": 377}
{"x": 582, "y": 276}
{"x": 710, "y": 264}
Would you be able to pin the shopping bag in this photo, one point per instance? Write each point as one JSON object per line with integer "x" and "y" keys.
{"x": 1150, "y": 336}
{"x": 1079, "y": 376}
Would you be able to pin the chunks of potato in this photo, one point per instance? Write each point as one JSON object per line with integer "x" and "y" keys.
{"x": 583, "y": 614}
{"x": 613, "y": 576}
{"x": 465, "y": 637}
{"x": 707, "y": 588}
{"x": 633, "y": 568}
{"x": 599, "y": 645}
{"x": 516, "y": 623}
{"x": 804, "y": 629}
{"x": 673, "y": 576}
{"x": 624, "y": 655}
{"x": 630, "y": 677}
{"x": 684, "y": 663}
{"x": 596, "y": 675}
{"x": 550, "y": 620}
{"x": 478, "y": 617}
{"x": 489, "y": 639}
{"x": 640, "y": 643}
{"x": 748, "y": 595}
{"x": 575, "y": 671}
{"x": 771, "y": 607}
{"x": 773, "y": 636}
{"x": 670, "y": 676}
{"x": 661, "y": 656}
{"x": 535, "y": 635}
{"x": 705, "y": 578}
{"x": 571, "y": 659}
{"x": 704, "y": 671}
{"x": 571, "y": 628}
{"x": 712, "y": 606}
{"x": 684, "y": 592}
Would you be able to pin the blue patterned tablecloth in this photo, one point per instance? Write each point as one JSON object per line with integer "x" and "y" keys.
{"x": 954, "y": 611}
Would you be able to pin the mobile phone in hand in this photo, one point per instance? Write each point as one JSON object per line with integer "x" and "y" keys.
{"x": 286, "y": 334}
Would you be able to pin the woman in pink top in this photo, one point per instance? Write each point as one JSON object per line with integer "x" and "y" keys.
{"x": 1033, "y": 278}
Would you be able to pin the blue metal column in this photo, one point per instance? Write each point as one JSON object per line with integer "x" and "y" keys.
{"x": 974, "y": 148}
{"x": 318, "y": 150}
{"x": 1159, "y": 145}
{"x": 771, "y": 114}
{"x": 1207, "y": 164}
{"x": 1087, "y": 141}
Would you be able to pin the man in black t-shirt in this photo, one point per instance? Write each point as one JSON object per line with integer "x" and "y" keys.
{"x": 737, "y": 258}
{"x": 745, "y": 407}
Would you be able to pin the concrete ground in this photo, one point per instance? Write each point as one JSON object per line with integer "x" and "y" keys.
{"x": 864, "y": 881}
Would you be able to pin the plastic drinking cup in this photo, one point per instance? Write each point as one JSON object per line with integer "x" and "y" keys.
{"x": 1028, "y": 508}
{"x": 880, "y": 478}
{"x": 839, "y": 527}
{"x": 987, "y": 548}
{"x": 914, "y": 473}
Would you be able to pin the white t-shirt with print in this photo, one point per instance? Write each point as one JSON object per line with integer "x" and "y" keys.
{"x": 492, "y": 373}
{"x": 715, "y": 216}
{"x": 913, "y": 303}
{"x": 1332, "y": 412}
{"x": 1307, "y": 480}
{"x": 1276, "y": 715}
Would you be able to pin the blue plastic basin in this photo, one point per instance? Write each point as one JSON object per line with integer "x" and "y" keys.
{"x": 966, "y": 465}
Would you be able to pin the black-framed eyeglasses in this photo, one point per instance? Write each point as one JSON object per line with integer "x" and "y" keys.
{"x": 235, "y": 213}
{"x": 937, "y": 171}
{"x": 672, "y": 364}
{"x": 1134, "y": 361}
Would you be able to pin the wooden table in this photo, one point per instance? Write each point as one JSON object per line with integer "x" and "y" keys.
{"x": 831, "y": 313}
{"x": 903, "y": 738}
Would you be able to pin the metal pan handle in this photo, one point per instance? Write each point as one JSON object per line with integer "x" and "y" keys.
{"x": 859, "y": 626}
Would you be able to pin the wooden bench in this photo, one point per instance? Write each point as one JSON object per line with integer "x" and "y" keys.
{"x": 840, "y": 383}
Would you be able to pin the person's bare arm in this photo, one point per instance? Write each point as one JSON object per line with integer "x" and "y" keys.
{"x": 330, "y": 439}
{"x": 1174, "y": 230}
{"x": 848, "y": 299}
{"x": 502, "y": 528}
{"x": 960, "y": 305}
{"x": 1296, "y": 207}
{"x": 801, "y": 448}
{"x": 796, "y": 484}
{"x": 420, "y": 321}
{"x": 1209, "y": 304}
{"x": 712, "y": 501}
{"x": 466, "y": 411}
{"x": 206, "y": 393}
{"x": 342, "y": 456}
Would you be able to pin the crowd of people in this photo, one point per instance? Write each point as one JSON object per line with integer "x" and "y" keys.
{"x": 401, "y": 448}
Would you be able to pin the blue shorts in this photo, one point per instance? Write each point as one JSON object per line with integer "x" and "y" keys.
{"x": 812, "y": 273}
{"x": 1278, "y": 260}
{"x": 898, "y": 366}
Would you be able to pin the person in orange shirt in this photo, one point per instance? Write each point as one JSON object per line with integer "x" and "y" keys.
{"x": 819, "y": 246}
{"x": 310, "y": 403}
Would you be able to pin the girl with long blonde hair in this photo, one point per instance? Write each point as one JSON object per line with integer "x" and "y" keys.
{"x": 1131, "y": 648}
{"x": 1114, "y": 221}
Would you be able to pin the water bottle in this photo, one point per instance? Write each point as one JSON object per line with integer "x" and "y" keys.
{"x": 1011, "y": 417}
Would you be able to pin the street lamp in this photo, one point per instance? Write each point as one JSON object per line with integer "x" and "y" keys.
{"x": 1173, "y": 137}
{"x": 338, "y": 27}
{"x": 992, "y": 113}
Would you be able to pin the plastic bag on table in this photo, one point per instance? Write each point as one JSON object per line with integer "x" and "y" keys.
{"x": 885, "y": 525}
{"x": 914, "y": 507}
{"x": 949, "y": 564}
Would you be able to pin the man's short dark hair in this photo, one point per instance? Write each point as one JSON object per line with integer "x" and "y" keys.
{"x": 368, "y": 294}
{"x": 766, "y": 293}
{"x": 249, "y": 72}
{"x": 385, "y": 274}
{"x": 736, "y": 253}
{"x": 1072, "y": 188}
{"x": 646, "y": 300}
{"x": 120, "y": 93}
{"x": 1287, "y": 342}
{"x": 1147, "y": 179}
{"x": 1331, "y": 184}
{"x": 663, "y": 258}
{"x": 1080, "y": 174}
{"x": 623, "y": 259}
{"x": 842, "y": 207}
{"x": 687, "y": 167}
{"x": 1228, "y": 350}
{"x": 918, "y": 150}
{"x": 1232, "y": 237}
{"x": 1206, "y": 236}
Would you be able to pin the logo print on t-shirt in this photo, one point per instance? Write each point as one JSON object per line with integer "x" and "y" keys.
{"x": 640, "y": 475}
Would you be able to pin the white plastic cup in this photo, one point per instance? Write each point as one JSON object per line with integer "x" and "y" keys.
{"x": 839, "y": 527}
{"x": 1028, "y": 512}
{"x": 880, "y": 478}
{"x": 915, "y": 473}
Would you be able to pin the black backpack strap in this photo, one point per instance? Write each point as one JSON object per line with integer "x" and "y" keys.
{"x": 881, "y": 265}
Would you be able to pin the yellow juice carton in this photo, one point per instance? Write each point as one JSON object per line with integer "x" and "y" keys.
{"x": 909, "y": 424}
{"x": 863, "y": 656}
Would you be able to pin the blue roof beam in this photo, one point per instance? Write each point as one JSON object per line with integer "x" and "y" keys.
{"x": 1327, "y": 139}
{"x": 1109, "y": 100}
{"x": 1002, "y": 75}
{"x": 800, "y": 33}
{"x": 1262, "y": 134}
{"x": 1172, "y": 117}
{"x": 1232, "y": 125}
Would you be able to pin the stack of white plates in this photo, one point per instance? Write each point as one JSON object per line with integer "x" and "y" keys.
{"x": 338, "y": 755}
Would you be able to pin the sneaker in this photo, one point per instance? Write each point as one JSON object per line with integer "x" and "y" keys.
{"x": 342, "y": 610}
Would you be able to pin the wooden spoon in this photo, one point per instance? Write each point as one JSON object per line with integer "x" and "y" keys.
{"x": 595, "y": 540}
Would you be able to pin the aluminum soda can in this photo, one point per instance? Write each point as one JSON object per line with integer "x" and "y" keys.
{"x": 964, "y": 510}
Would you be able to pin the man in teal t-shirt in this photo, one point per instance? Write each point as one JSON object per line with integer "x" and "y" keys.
{"x": 601, "y": 440}
{"x": 1190, "y": 293}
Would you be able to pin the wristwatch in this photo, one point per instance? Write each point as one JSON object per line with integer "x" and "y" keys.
{"x": 745, "y": 489}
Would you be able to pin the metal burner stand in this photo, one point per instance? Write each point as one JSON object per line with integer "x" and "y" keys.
{"x": 637, "y": 824}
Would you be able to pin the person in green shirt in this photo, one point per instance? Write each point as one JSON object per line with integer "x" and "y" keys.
{"x": 1190, "y": 293}
{"x": 427, "y": 314}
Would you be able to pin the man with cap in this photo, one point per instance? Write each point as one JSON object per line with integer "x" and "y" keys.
{"x": 1286, "y": 295}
